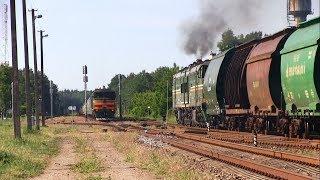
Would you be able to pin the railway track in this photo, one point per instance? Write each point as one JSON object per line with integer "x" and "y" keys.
{"x": 255, "y": 150}
{"x": 266, "y": 170}
{"x": 203, "y": 143}
{"x": 247, "y": 138}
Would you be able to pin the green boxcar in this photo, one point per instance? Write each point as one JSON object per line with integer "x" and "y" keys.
{"x": 300, "y": 69}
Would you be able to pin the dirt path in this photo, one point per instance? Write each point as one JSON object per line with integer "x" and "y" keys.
{"x": 114, "y": 162}
{"x": 59, "y": 167}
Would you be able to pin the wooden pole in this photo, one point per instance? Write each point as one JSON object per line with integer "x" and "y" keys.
{"x": 27, "y": 71}
{"x": 15, "y": 86}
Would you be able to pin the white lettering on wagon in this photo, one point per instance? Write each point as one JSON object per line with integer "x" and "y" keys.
{"x": 296, "y": 70}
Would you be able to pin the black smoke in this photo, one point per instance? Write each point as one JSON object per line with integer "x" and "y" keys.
{"x": 200, "y": 34}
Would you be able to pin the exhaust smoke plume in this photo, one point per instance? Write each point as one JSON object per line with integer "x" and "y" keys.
{"x": 199, "y": 35}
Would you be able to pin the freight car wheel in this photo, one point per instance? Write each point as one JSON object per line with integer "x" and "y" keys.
{"x": 259, "y": 125}
{"x": 295, "y": 128}
{"x": 305, "y": 129}
{"x": 232, "y": 124}
{"x": 282, "y": 126}
{"x": 249, "y": 124}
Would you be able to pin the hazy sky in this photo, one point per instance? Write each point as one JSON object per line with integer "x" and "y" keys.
{"x": 123, "y": 36}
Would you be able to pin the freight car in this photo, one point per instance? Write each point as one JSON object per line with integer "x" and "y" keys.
{"x": 272, "y": 84}
{"x": 101, "y": 104}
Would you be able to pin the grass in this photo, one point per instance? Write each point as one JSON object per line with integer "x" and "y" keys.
{"x": 89, "y": 162}
{"x": 88, "y": 165}
{"x": 156, "y": 164}
{"x": 172, "y": 118}
{"x": 28, "y": 157}
{"x": 130, "y": 157}
{"x": 64, "y": 130}
{"x": 95, "y": 178}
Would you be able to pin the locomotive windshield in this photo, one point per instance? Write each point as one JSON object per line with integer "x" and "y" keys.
{"x": 105, "y": 95}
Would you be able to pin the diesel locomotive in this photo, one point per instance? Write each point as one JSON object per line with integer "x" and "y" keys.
{"x": 101, "y": 104}
{"x": 267, "y": 85}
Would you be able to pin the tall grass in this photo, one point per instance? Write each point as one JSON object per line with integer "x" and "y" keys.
{"x": 20, "y": 159}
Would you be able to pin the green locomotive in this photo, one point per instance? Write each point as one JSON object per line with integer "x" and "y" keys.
{"x": 187, "y": 93}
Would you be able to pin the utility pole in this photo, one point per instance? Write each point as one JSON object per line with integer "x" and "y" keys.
{"x": 167, "y": 100}
{"x": 36, "y": 85}
{"x": 85, "y": 80}
{"x": 15, "y": 84}
{"x": 27, "y": 69}
{"x": 120, "y": 100}
{"x": 51, "y": 99}
{"x": 43, "y": 120}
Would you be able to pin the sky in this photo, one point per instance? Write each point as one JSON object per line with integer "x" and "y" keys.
{"x": 123, "y": 36}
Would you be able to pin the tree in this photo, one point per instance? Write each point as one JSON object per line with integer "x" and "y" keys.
{"x": 229, "y": 39}
{"x": 143, "y": 90}
{"x": 5, "y": 89}
{"x": 68, "y": 98}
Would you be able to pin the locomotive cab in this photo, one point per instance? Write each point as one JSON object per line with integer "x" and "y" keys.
{"x": 104, "y": 103}
{"x": 187, "y": 93}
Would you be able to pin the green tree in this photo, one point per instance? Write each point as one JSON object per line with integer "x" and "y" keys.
{"x": 5, "y": 91}
{"x": 68, "y": 98}
{"x": 5, "y": 88}
{"x": 143, "y": 90}
{"x": 229, "y": 39}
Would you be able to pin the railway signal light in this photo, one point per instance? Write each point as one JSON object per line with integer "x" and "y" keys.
{"x": 85, "y": 70}
{"x": 85, "y": 79}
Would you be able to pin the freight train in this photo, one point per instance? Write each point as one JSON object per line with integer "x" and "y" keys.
{"x": 101, "y": 104}
{"x": 267, "y": 85}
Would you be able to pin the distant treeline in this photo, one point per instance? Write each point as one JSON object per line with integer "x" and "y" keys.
{"x": 5, "y": 92}
{"x": 61, "y": 99}
{"x": 145, "y": 94}
{"x": 71, "y": 98}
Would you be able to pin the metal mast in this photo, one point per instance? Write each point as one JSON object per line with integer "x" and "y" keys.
{"x": 4, "y": 30}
